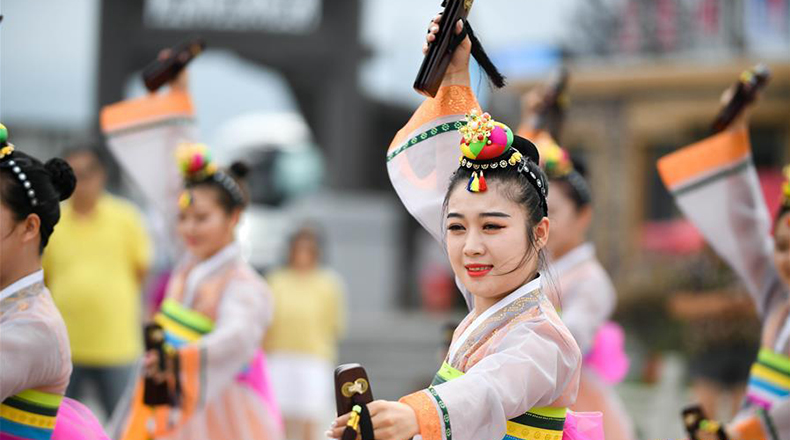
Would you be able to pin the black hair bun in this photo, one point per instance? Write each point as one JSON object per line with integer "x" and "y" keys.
{"x": 579, "y": 165}
{"x": 239, "y": 170}
{"x": 526, "y": 147}
{"x": 63, "y": 178}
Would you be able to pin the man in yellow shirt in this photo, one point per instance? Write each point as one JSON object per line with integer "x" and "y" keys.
{"x": 94, "y": 265}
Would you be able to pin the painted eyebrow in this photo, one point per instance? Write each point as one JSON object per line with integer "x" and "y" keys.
{"x": 494, "y": 214}
{"x": 483, "y": 214}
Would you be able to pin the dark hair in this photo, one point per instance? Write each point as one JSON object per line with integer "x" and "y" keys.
{"x": 228, "y": 198}
{"x": 52, "y": 182}
{"x": 90, "y": 148}
{"x": 306, "y": 232}
{"x": 574, "y": 185}
{"x": 518, "y": 188}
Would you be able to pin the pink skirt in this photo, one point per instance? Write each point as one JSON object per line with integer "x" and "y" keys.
{"x": 583, "y": 426}
{"x": 76, "y": 422}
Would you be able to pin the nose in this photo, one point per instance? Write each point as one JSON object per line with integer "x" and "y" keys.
{"x": 473, "y": 245}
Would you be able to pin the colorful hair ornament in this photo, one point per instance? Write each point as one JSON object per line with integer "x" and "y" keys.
{"x": 185, "y": 200}
{"x": 554, "y": 160}
{"x": 477, "y": 182}
{"x": 484, "y": 138}
{"x": 786, "y": 187}
{"x": 194, "y": 162}
{"x": 5, "y": 148}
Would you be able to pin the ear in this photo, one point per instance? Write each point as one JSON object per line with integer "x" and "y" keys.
{"x": 30, "y": 228}
{"x": 541, "y": 232}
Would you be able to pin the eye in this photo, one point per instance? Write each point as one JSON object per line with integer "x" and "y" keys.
{"x": 492, "y": 227}
{"x": 455, "y": 227}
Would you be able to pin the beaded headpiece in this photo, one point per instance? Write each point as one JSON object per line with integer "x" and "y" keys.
{"x": 487, "y": 145}
{"x": 7, "y": 161}
{"x": 196, "y": 165}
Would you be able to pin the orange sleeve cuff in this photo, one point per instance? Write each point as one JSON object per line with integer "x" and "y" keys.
{"x": 427, "y": 415}
{"x": 190, "y": 366}
{"x": 449, "y": 100}
{"x": 150, "y": 108}
{"x": 703, "y": 157}
{"x": 750, "y": 429}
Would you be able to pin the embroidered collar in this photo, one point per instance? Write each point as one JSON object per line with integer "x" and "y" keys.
{"x": 502, "y": 303}
{"x": 26, "y": 281}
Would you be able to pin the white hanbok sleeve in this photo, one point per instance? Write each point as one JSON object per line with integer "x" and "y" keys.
{"x": 424, "y": 154}
{"x": 34, "y": 349}
{"x": 210, "y": 364}
{"x": 588, "y": 306}
{"x": 143, "y": 135}
{"x": 536, "y": 364}
{"x": 715, "y": 185}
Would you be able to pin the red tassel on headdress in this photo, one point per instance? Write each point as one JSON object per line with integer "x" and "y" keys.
{"x": 483, "y": 186}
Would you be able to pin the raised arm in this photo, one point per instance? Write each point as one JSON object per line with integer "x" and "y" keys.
{"x": 424, "y": 153}
{"x": 715, "y": 185}
{"x": 143, "y": 135}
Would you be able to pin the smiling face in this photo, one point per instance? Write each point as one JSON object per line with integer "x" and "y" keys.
{"x": 488, "y": 242}
{"x": 204, "y": 225}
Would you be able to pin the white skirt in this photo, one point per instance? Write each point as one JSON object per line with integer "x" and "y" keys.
{"x": 303, "y": 385}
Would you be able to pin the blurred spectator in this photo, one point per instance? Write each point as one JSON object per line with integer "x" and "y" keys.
{"x": 95, "y": 263}
{"x": 301, "y": 344}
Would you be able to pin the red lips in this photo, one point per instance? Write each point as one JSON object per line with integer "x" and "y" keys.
{"x": 478, "y": 270}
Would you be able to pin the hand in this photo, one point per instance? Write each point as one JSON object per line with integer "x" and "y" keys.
{"x": 181, "y": 82}
{"x": 458, "y": 70}
{"x": 531, "y": 105}
{"x": 151, "y": 367}
{"x": 741, "y": 122}
{"x": 391, "y": 421}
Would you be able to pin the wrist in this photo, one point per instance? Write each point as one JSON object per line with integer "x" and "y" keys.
{"x": 457, "y": 78}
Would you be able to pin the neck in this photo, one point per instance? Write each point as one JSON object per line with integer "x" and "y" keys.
{"x": 484, "y": 303}
{"x": 15, "y": 272}
{"x": 84, "y": 206}
{"x": 225, "y": 244}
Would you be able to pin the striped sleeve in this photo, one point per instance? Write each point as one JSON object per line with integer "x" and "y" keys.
{"x": 715, "y": 185}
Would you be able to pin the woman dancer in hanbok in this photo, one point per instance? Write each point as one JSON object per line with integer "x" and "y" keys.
{"x": 513, "y": 367}
{"x": 216, "y": 307}
{"x": 35, "y": 360}
{"x": 587, "y": 293}
{"x": 715, "y": 185}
